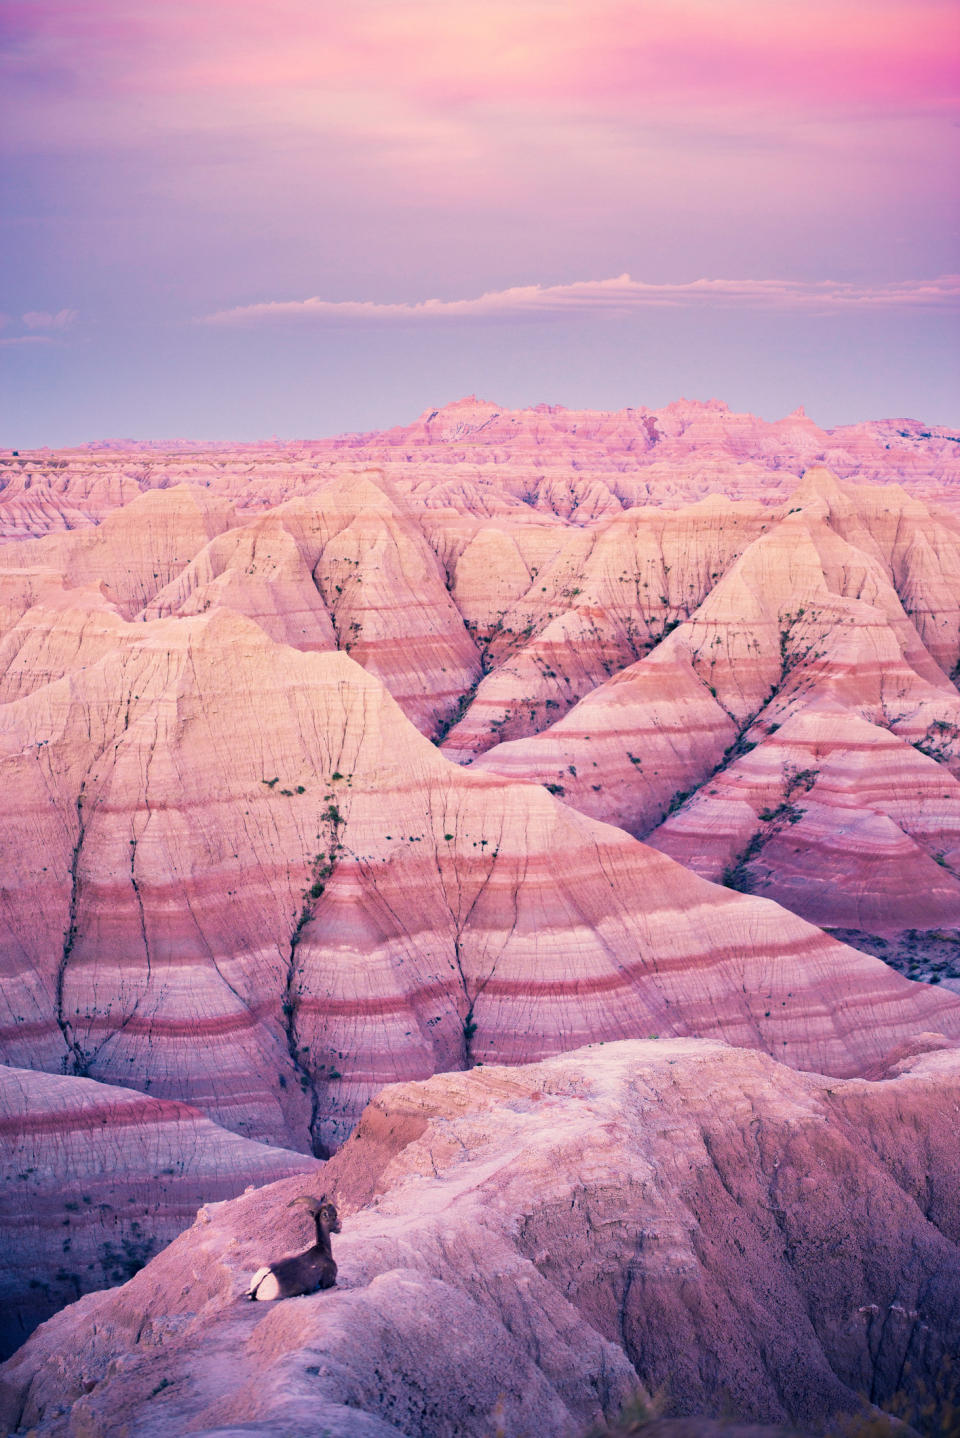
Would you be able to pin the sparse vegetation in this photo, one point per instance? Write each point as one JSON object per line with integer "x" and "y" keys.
{"x": 938, "y": 741}
{"x": 930, "y": 1408}
{"x": 636, "y": 1415}
{"x": 795, "y": 781}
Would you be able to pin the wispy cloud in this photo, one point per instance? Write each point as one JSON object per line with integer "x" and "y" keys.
{"x": 43, "y": 327}
{"x": 47, "y": 320}
{"x": 621, "y": 294}
{"x": 8, "y": 341}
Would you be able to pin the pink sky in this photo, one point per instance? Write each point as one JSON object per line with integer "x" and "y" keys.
{"x": 437, "y": 55}
{"x": 188, "y": 158}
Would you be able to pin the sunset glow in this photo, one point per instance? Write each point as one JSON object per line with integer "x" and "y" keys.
{"x": 179, "y": 161}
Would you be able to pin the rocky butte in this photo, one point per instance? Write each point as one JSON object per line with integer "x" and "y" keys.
{"x": 541, "y": 831}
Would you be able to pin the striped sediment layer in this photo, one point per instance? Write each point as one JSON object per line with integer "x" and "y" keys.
{"x": 240, "y": 878}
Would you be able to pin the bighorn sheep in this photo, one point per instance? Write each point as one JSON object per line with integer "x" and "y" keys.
{"x": 302, "y": 1272}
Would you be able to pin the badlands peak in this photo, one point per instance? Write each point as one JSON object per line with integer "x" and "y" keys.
{"x": 266, "y": 894}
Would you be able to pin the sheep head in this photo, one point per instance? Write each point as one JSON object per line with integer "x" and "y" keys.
{"x": 319, "y": 1208}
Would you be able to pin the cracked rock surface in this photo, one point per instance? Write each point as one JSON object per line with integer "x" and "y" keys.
{"x": 529, "y": 1246}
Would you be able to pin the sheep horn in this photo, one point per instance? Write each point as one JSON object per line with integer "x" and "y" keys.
{"x": 314, "y": 1204}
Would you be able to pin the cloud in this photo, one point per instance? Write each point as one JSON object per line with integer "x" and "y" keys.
{"x": 43, "y": 327}
{"x": 9, "y": 340}
{"x": 45, "y": 320}
{"x": 620, "y": 295}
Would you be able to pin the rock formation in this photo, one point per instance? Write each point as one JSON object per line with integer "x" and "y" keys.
{"x": 97, "y": 1180}
{"x": 523, "y": 1249}
{"x": 806, "y": 653}
{"x": 478, "y": 457}
{"x": 326, "y": 765}
{"x": 265, "y": 894}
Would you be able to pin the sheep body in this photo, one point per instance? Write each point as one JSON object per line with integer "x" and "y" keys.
{"x": 264, "y": 1284}
{"x": 301, "y": 1273}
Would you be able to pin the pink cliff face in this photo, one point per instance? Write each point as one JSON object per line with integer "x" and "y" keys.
{"x": 354, "y": 762}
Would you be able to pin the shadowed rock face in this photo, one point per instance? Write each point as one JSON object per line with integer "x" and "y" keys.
{"x": 530, "y": 1246}
{"x": 696, "y": 1427}
{"x": 97, "y": 1179}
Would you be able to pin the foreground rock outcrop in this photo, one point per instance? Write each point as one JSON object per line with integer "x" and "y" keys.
{"x": 523, "y": 1249}
{"x": 97, "y": 1179}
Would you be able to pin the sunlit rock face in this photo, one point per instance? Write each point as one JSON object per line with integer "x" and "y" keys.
{"x": 346, "y": 763}
{"x": 525, "y": 1248}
